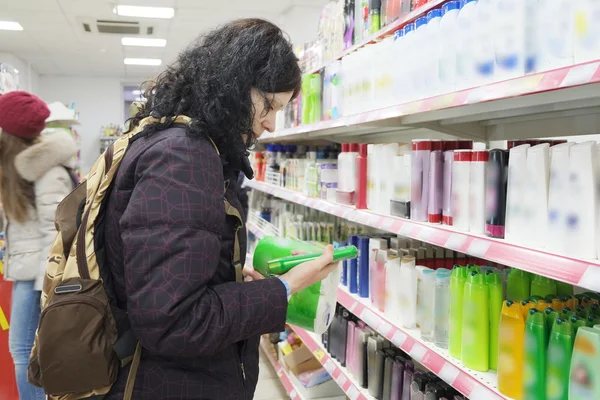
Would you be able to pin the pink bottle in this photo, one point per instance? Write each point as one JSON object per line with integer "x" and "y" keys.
{"x": 436, "y": 182}
{"x": 449, "y": 147}
{"x": 419, "y": 194}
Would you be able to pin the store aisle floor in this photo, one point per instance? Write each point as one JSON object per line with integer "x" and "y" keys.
{"x": 269, "y": 386}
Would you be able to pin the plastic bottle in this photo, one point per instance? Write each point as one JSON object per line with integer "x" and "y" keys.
{"x": 556, "y": 34}
{"x": 426, "y": 304}
{"x": 431, "y": 53}
{"x": 510, "y": 39}
{"x": 361, "y": 177}
{"x": 564, "y": 289}
{"x": 363, "y": 267}
{"x": 417, "y": 73}
{"x": 374, "y": 16}
{"x": 560, "y": 350}
{"x": 436, "y": 182}
{"x": 550, "y": 315}
{"x": 542, "y": 286}
{"x": 461, "y": 172}
{"x": 407, "y": 292}
{"x": 458, "y": 279}
{"x": 477, "y": 178}
{"x": 494, "y": 283}
{"x": 534, "y": 363}
{"x": 482, "y": 42}
{"x": 409, "y": 60}
{"x": 585, "y": 365}
{"x": 518, "y": 285}
{"x": 510, "y": 350}
{"x": 448, "y": 46}
{"x": 497, "y": 176}
{"x": 442, "y": 307}
{"x": 421, "y": 150}
{"x": 465, "y": 63}
{"x": 587, "y": 35}
{"x": 476, "y": 323}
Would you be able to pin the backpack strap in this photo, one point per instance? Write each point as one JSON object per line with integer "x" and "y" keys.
{"x": 135, "y": 363}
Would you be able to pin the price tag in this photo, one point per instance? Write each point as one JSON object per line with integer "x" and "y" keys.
{"x": 319, "y": 354}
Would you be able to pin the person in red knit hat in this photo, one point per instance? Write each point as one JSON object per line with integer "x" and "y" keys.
{"x": 34, "y": 177}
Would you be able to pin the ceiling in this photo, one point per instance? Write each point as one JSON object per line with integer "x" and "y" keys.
{"x": 54, "y": 41}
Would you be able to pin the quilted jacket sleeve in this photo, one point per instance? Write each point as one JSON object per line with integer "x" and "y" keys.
{"x": 171, "y": 237}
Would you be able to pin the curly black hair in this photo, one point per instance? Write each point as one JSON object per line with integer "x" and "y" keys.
{"x": 211, "y": 82}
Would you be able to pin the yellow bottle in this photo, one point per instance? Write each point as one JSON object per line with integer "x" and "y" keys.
{"x": 510, "y": 350}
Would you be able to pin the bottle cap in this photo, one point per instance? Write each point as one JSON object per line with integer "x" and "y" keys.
{"x": 462, "y": 155}
{"x": 437, "y": 145}
{"x": 492, "y": 278}
{"x": 437, "y": 13}
{"x": 353, "y": 148}
{"x": 509, "y": 303}
{"x": 548, "y": 310}
{"x": 420, "y": 22}
{"x": 480, "y": 156}
{"x": 451, "y": 5}
{"x": 363, "y": 149}
{"x": 409, "y": 28}
{"x": 421, "y": 145}
{"x": 345, "y": 147}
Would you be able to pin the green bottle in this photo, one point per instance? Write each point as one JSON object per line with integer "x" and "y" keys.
{"x": 457, "y": 286}
{"x": 476, "y": 323}
{"x": 550, "y": 315}
{"x": 567, "y": 313}
{"x": 542, "y": 286}
{"x": 595, "y": 296}
{"x": 311, "y": 308}
{"x": 534, "y": 361}
{"x": 494, "y": 283}
{"x": 593, "y": 320}
{"x": 584, "y": 299}
{"x": 585, "y": 365}
{"x": 473, "y": 267}
{"x": 560, "y": 349}
{"x": 564, "y": 289}
{"x": 518, "y": 285}
{"x": 577, "y": 323}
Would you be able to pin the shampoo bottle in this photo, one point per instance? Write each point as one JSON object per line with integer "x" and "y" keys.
{"x": 436, "y": 182}
{"x": 476, "y": 323}
{"x": 560, "y": 350}
{"x": 496, "y": 297}
{"x": 518, "y": 285}
{"x": 542, "y": 286}
{"x": 510, "y": 350}
{"x": 421, "y": 150}
{"x": 457, "y": 285}
{"x": 534, "y": 363}
{"x": 585, "y": 365}
{"x": 426, "y": 304}
{"x": 495, "y": 193}
{"x": 407, "y": 293}
{"x": 460, "y": 189}
{"x": 442, "y": 307}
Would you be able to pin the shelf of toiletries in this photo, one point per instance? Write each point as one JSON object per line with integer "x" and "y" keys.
{"x": 280, "y": 371}
{"x": 515, "y": 48}
{"x": 573, "y": 271}
{"x": 340, "y": 374}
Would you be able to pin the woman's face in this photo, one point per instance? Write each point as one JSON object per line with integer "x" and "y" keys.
{"x": 264, "y": 118}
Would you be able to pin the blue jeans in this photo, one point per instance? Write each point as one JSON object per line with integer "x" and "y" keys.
{"x": 24, "y": 317}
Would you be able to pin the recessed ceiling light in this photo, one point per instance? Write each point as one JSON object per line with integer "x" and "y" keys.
{"x": 143, "y": 42}
{"x": 153, "y": 62}
{"x": 10, "y": 26}
{"x": 145, "y": 12}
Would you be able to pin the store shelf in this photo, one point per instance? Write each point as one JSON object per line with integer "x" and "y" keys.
{"x": 343, "y": 378}
{"x": 561, "y": 102}
{"x": 583, "y": 273}
{"x": 385, "y": 31}
{"x": 284, "y": 376}
{"x": 475, "y": 385}
{"x": 281, "y": 373}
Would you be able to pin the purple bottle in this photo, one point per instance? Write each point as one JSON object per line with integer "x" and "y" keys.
{"x": 419, "y": 193}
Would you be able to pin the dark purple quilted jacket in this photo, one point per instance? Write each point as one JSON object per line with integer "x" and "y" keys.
{"x": 169, "y": 249}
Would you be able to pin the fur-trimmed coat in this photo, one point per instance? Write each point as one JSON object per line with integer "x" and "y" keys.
{"x": 28, "y": 243}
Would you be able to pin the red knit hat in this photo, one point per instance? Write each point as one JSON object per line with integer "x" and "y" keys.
{"x": 22, "y": 114}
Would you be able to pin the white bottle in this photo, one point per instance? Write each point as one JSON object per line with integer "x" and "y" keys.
{"x": 557, "y": 210}
{"x": 398, "y": 52}
{"x": 516, "y": 193}
{"x": 407, "y": 292}
{"x": 536, "y": 196}
{"x": 510, "y": 31}
{"x": 461, "y": 176}
{"x": 587, "y": 30}
{"x": 426, "y": 304}
{"x": 431, "y": 46}
{"x": 465, "y": 63}
{"x": 478, "y": 178}
{"x": 582, "y": 201}
{"x": 555, "y": 29}
{"x": 419, "y": 58}
{"x": 482, "y": 42}
{"x": 448, "y": 46}
{"x": 408, "y": 62}
{"x": 392, "y": 274}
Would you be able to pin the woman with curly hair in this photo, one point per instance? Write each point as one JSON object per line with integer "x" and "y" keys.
{"x": 174, "y": 228}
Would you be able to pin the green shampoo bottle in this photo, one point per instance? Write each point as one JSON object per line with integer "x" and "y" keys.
{"x": 564, "y": 289}
{"x": 494, "y": 283}
{"x": 560, "y": 350}
{"x": 534, "y": 360}
{"x": 457, "y": 286}
{"x": 542, "y": 286}
{"x": 518, "y": 285}
{"x": 476, "y": 323}
{"x": 550, "y": 315}
{"x": 585, "y": 365}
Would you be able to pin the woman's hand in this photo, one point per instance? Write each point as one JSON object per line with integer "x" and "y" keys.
{"x": 311, "y": 272}
{"x": 250, "y": 274}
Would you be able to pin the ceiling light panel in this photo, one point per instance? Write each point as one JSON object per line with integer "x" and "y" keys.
{"x": 152, "y": 62}
{"x": 143, "y": 42}
{"x": 10, "y": 26}
{"x": 145, "y": 12}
